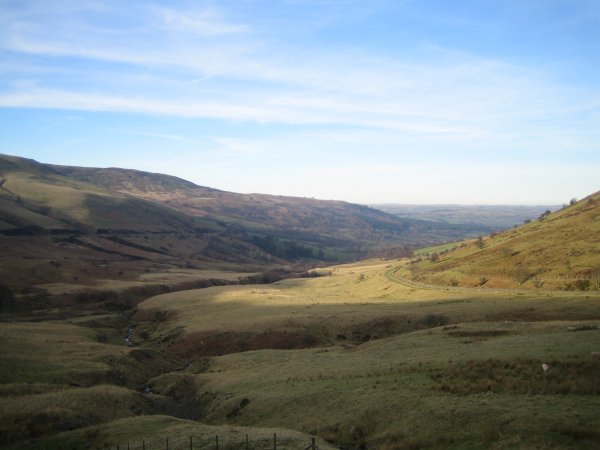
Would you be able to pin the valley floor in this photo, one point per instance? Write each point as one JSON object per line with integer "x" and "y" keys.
{"x": 358, "y": 357}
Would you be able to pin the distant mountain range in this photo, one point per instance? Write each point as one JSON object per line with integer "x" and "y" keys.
{"x": 497, "y": 217}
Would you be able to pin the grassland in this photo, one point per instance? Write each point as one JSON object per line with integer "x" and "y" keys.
{"x": 356, "y": 356}
{"x": 390, "y": 364}
{"x": 483, "y": 348}
{"x": 557, "y": 251}
{"x": 135, "y": 432}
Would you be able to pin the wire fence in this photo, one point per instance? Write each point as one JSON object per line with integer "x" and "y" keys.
{"x": 216, "y": 443}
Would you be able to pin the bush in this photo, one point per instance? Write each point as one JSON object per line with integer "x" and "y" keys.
{"x": 522, "y": 274}
{"x": 479, "y": 242}
{"x": 432, "y": 320}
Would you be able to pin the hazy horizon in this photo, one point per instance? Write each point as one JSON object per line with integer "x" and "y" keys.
{"x": 429, "y": 102}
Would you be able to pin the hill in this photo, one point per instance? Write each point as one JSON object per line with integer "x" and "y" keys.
{"x": 121, "y": 347}
{"x": 560, "y": 250}
{"x": 347, "y": 228}
{"x": 366, "y": 360}
{"x": 57, "y": 229}
{"x": 75, "y": 226}
{"x": 497, "y": 217}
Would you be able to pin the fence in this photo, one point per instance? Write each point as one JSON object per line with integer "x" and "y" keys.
{"x": 192, "y": 445}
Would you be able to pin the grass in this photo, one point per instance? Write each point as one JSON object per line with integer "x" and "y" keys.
{"x": 53, "y": 352}
{"x": 135, "y": 430}
{"x": 353, "y": 303}
{"x": 435, "y": 249}
{"x": 559, "y": 251}
{"x": 57, "y": 376}
{"x": 34, "y": 415}
{"x": 388, "y": 390}
{"x": 371, "y": 362}
{"x": 389, "y": 356}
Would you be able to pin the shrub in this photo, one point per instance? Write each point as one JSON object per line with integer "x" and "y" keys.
{"x": 479, "y": 242}
{"x": 582, "y": 285}
{"x": 432, "y": 320}
{"x": 522, "y": 274}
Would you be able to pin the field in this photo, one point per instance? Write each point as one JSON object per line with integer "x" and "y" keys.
{"x": 558, "y": 251}
{"x": 390, "y": 365}
{"x": 378, "y": 354}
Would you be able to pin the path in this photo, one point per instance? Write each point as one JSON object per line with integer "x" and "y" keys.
{"x": 392, "y": 275}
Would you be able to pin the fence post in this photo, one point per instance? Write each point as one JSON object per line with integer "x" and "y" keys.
{"x": 167, "y": 443}
{"x": 143, "y": 445}
{"x": 314, "y": 446}
{"x": 217, "y": 441}
{"x": 190, "y": 443}
{"x": 247, "y": 443}
{"x": 274, "y": 441}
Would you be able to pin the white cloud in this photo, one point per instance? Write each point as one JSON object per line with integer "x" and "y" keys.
{"x": 207, "y": 21}
{"x": 344, "y": 101}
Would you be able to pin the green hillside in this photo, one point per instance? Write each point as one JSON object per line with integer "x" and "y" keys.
{"x": 560, "y": 250}
{"x": 62, "y": 226}
{"x": 348, "y": 228}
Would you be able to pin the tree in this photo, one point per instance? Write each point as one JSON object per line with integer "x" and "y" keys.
{"x": 544, "y": 214}
{"x": 479, "y": 242}
{"x": 434, "y": 257}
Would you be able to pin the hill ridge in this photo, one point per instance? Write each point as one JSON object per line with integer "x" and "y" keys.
{"x": 559, "y": 250}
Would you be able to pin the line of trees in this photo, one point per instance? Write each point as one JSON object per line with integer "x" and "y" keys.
{"x": 284, "y": 248}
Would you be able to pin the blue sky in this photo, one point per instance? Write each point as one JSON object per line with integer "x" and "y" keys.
{"x": 380, "y": 101}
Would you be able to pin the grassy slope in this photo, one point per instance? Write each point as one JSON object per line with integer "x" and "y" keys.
{"x": 63, "y": 379}
{"x": 355, "y": 299}
{"x": 399, "y": 391}
{"x": 550, "y": 253}
{"x": 58, "y": 376}
{"x": 154, "y": 430}
{"x": 31, "y": 189}
{"x": 327, "y": 222}
{"x": 413, "y": 388}
{"x": 57, "y": 229}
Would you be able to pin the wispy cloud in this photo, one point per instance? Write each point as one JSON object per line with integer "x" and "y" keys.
{"x": 392, "y": 86}
{"x": 206, "y": 21}
{"x": 164, "y": 136}
{"x": 445, "y": 93}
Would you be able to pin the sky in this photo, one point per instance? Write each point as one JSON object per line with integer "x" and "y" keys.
{"x": 379, "y": 101}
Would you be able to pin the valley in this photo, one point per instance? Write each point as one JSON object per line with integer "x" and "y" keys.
{"x": 139, "y": 307}
{"x": 353, "y": 357}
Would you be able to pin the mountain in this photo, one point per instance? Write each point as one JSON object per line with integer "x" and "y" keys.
{"x": 86, "y": 218}
{"x": 36, "y": 199}
{"x": 334, "y": 224}
{"x": 559, "y": 250}
{"x": 497, "y": 217}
